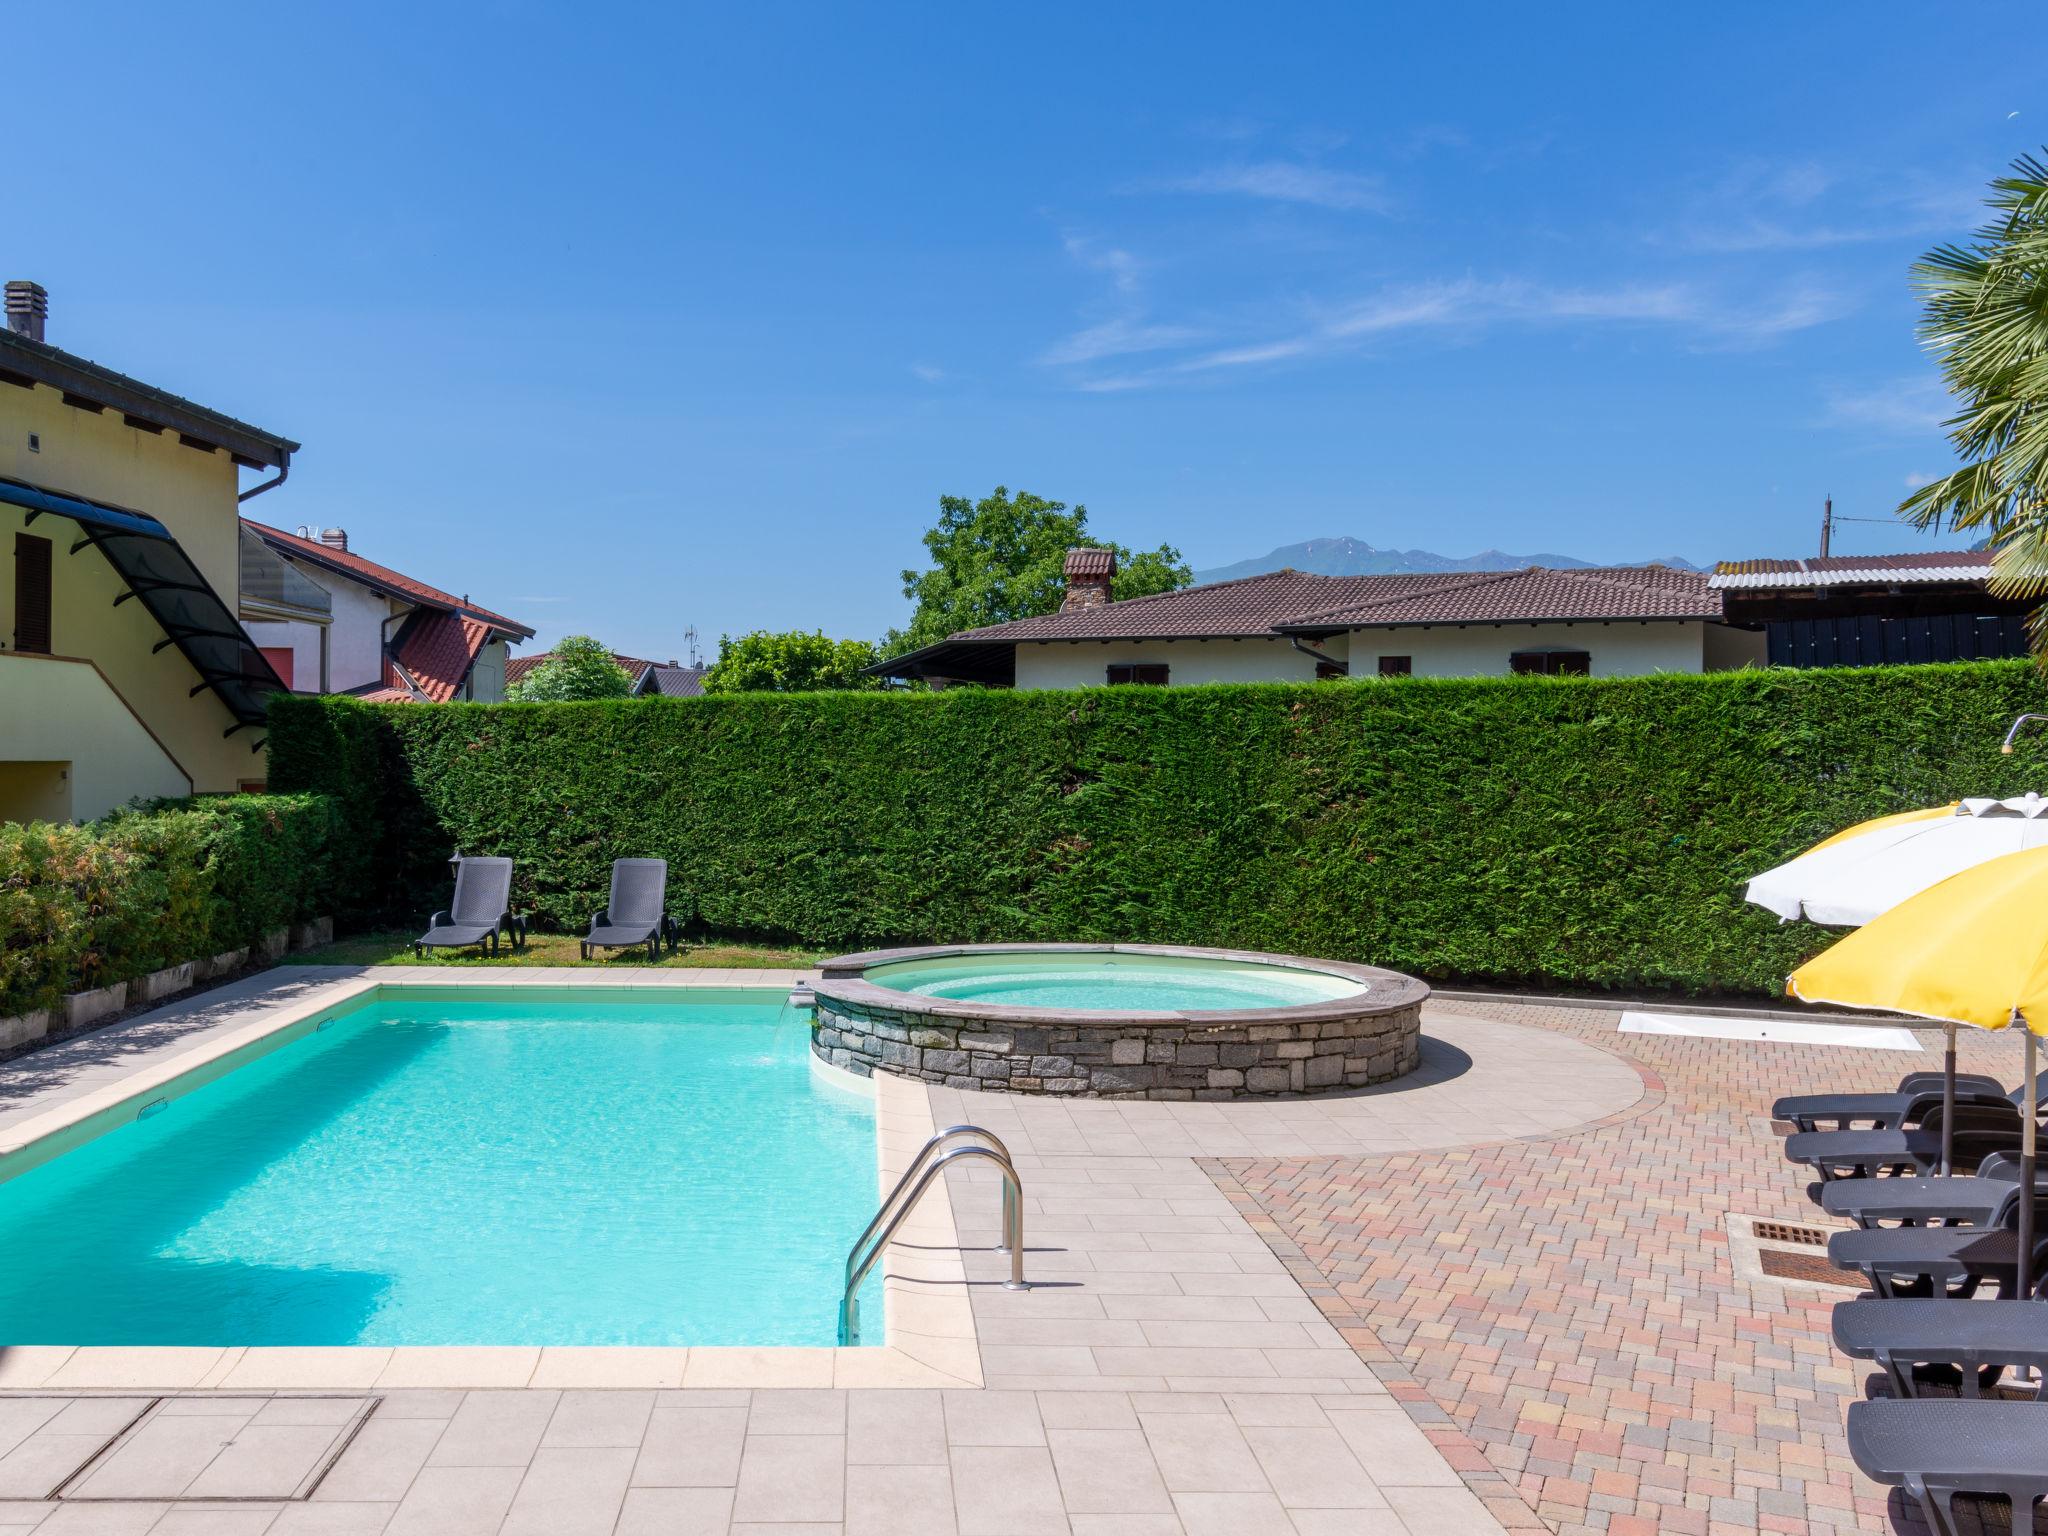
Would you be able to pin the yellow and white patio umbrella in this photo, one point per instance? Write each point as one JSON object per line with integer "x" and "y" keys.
{"x": 1853, "y": 876}
{"x": 1972, "y": 949}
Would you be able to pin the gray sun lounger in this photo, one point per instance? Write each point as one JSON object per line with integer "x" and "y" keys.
{"x": 1936, "y": 1450}
{"x": 481, "y": 912}
{"x": 1941, "y": 1261}
{"x": 638, "y": 912}
{"x": 1979, "y": 1129}
{"x": 1968, "y": 1200}
{"x": 1977, "y": 1339}
{"x": 1916, "y": 1094}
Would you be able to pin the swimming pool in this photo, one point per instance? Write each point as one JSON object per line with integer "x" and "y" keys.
{"x": 467, "y": 1167}
{"x": 1111, "y": 981}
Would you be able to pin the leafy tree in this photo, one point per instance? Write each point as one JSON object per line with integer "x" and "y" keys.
{"x": 1985, "y": 317}
{"x": 795, "y": 662}
{"x": 1001, "y": 558}
{"x": 578, "y": 668}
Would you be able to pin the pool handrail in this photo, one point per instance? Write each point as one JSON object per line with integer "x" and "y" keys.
{"x": 924, "y": 1155}
{"x": 859, "y": 1264}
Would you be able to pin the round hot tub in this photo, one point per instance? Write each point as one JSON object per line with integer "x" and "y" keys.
{"x": 1118, "y": 1020}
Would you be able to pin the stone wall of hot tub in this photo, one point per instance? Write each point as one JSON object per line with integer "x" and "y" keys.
{"x": 1372, "y": 1038}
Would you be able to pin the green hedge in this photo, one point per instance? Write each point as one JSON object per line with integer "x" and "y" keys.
{"x": 87, "y": 906}
{"x": 1585, "y": 833}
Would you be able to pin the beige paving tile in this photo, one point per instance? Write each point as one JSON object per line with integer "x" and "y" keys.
{"x": 1232, "y": 1514}
{"x": 103, "y": 1519}
{"x": 1107, "y": 1471}
{"x": 160, "y": 1457}
{"x": 309, "y": 1410}
{"x": 570, "y": 1492}
{"x": 899, "y": 1501}
{"x": 456, "y": 1501}
{"x": 215, "y": 1520}
{"x": 465, "y": 1366}
{"x": 155, "y": 1369}
{"x": 590, "y": 1418}
{"x": 380, "y": 1463}
{"x": 1203, "y": 1453}
{"x": 992, "y": 1418}
{"x": 792, "y": 1478}
{"x": 35, "y": 1468}
{"x": 495, "y": 1429}
{"x": 1312, "y": 1468}
{"x": 675, "y": 1512}
{"x": 1392, "y": 1449}
{"x": 691, "y": 1448}
{"x": 333, "y": 1519}
{"x": 274, "y": 1369}
{"x": 895, "y": 1428}
{"x": 1368, "y": 1522}
{"x": 759, "y": 1368}
{"x": 798, "y": 1412}
{"x": 1006, "y": 1490}
{"x": 265, "y": 1461}
{"x": 1275, "y": 1410}
{"x": 574, "y": 1366}
{"x": 1087, "y": 1410}
{"x": 21, "y": 1417}
{"x": 26, "y": 1366}
{"x": 1443, "y": 1511}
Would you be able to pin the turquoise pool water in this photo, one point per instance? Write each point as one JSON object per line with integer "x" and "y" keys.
{"x": 1100, "y": 982}
{"x": 482, "y": 1171}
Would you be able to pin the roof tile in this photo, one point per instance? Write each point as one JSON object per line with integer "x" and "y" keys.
{"x": 373, "y": 574}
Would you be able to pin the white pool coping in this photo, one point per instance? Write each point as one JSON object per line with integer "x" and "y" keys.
{"x": 928, "y": 1322}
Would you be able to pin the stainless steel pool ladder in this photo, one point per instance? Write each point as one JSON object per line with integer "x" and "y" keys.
{"x": 868, "y": 1248}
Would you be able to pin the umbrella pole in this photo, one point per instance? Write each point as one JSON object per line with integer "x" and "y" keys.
{"x": 1948, "y": 1103}
{"x": 2026, "y": 1245}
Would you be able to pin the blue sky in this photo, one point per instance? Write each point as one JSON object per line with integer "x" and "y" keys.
{"x": 627, "y": 318}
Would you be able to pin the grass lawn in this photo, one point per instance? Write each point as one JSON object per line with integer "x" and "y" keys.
{"x": 392, "y": 947}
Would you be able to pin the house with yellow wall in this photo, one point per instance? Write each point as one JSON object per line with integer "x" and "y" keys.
{"x": 125, "y": 670}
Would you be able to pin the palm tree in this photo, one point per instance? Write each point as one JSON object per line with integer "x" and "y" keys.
{"x": 1986, "y": 320}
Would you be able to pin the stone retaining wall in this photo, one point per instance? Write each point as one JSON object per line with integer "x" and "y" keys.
{"x": 1368, "y": 1039}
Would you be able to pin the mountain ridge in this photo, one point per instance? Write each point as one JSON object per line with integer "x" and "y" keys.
{"x": 1344, "y": 555}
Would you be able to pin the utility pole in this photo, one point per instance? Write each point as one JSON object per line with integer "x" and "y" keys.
{"x": 1827, "y": 525}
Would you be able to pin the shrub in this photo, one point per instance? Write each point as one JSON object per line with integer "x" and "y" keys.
{"x": 87, "y": 906}
{"x": 1579, "y": 832}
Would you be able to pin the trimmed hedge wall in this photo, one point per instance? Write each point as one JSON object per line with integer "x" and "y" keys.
{"x": 87, "y": 906}
{"x": 1584, "y": 833}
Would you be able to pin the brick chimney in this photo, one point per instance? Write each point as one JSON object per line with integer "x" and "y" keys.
{"x": 1089, "y": 573}
{"x": 335, "y": 538}
{"x": 28, "y": 306}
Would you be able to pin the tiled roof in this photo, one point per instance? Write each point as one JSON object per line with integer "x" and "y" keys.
{"x": 433, "y": 656}
{"x": 678, "y": 682}
{"x": 1279, "y": 602}
{"x": 382, "y": 577}
{"x": 1853, "y": 570}
{"x": 1090, "y": 562}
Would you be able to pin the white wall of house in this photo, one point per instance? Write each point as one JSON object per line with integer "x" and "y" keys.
{"x": 1614, "y": 650}
{"x": 1061, "y": 664}
{"x": 355, "y": 638}
{"x": 487, "y": 677}
{"x": 1437, "y": 650}
{"x": 74, "y": 748}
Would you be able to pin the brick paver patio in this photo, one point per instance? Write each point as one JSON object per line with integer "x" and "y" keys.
{"x": 1561, "y": 1312}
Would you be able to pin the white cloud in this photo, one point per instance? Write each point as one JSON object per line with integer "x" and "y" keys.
{"x": 1116, "y": 338}
{"x": 1287, "y": 181}
{"x": 1899, "y": 408}
{"x": 1760, "y": 206}
{"x": 931, "y": 373}
{"x": 1124, "y": 270}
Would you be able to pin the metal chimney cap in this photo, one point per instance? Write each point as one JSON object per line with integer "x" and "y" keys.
{"x": 28, "y": 305}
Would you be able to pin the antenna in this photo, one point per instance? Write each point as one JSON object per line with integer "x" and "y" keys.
{"x": 1827, "y": 525}
{"x": 690, "y": 639}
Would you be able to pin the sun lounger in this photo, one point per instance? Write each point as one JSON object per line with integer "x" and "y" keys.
{"x": 1936, "y": 1450}
{"x": 1976, "y": 1339}
{"x": 1971, "y": 1200}
{"x": 638, "y": 912}
{"x": 1938, "y": 1261}
{"x": 480, "y": 913}
{"x": 1979, "y": 1129}
{"x": 1916, "y": 1094}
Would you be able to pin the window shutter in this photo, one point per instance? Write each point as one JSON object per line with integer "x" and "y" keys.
{"x": 1397, "y": 666}
{"x": 1551, "y": 663}
{"x": 31, "y": 593}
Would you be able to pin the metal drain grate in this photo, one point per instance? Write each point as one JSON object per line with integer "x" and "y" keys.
{"x": 1789, "y": 1232}
{"x": 1813, "y": 1268}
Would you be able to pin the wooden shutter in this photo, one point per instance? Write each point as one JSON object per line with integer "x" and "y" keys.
{"x": 31, "y": 593}
{"x": 1551, "y": 663}
{"x": 1396, "y": 666}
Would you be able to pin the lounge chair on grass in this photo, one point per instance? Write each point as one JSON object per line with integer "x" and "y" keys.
{"x": 638, "y": 913}
{"x": 480, "y": 913}
{"x": 1980, "y": 1129}
{"x": 1936, "y": 1450}
{"x": 1972, "y": 1342}
{"x": 1917, "y": 1093}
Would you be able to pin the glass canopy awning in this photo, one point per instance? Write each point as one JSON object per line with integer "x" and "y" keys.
{"x": 161, "y": 576}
